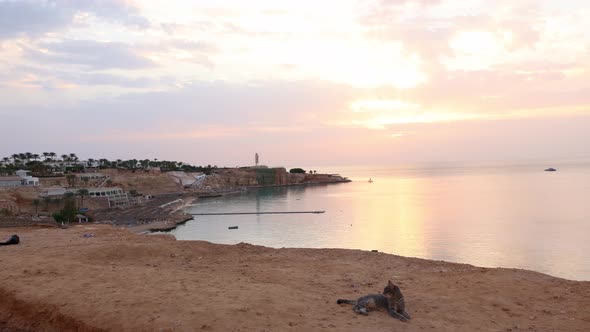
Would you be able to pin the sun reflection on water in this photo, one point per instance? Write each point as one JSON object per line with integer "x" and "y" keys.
{"x": 510, "y": 218}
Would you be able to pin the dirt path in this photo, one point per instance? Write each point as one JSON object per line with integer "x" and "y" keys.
{"x": 58, "y": 280}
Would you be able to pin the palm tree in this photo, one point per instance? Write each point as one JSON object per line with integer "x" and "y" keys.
{"x": 65, "y": 157}
{"x": 52, "y": 155}
{"x": 45, "y": 155}
{"x": 35, "y": 156}
{"x": 36, "y": 203}
{"x": 29, "y": 156}
{"x": 18, "y": 158}
{"x": 73, "y": 157}
{"x": 82, "y": 192}
{"x": 71, "y": 178}
{"x": 6, "y": 159}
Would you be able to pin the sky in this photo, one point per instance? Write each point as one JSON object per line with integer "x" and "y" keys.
{"x": 346, "y": 82}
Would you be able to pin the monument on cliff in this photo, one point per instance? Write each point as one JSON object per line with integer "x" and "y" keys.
{"x": 256, "y": 159}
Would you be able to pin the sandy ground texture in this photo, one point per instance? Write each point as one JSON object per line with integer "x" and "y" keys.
{"x": 58, "y": 280}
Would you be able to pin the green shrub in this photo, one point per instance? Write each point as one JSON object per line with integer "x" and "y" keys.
{"x": 68, "y": 213}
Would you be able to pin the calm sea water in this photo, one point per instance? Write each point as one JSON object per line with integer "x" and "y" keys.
{"x": 494, "y": 216}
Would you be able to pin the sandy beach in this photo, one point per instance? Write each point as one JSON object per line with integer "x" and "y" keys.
{"x": 59, "y": 280}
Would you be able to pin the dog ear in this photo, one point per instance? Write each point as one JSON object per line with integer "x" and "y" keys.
{"x": 389, "y": 283}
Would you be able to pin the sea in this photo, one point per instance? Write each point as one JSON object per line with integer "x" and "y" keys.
{"x": 491, "y": 215}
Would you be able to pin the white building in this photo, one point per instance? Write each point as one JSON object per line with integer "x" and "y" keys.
{"x": 92, "y": 164}
{"x": 91, "y": 176}
{"x": 27, "y": 180}
{"x": 116, "y": 196}
{"x": 53, "y": 192}
{"x": 56, "y": 166}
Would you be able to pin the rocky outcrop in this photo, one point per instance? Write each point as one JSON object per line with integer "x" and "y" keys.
{"x": 237, "y": 178}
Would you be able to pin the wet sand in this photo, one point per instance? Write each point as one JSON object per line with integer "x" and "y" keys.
{"x": 58, "y": 280}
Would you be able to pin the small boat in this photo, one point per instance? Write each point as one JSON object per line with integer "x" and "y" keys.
{"x": 370, "y": 180}
{"x": 232, "y": 227}
{"x": 550, "y": 169}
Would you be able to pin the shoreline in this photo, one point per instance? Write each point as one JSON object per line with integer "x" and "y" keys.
{"x": 117, "y": 280}
{"x": 513, "y": 268}
{"x": 223, "y": 192}
{"x": 169, "y": 225}
{"x": 157, "y": 226}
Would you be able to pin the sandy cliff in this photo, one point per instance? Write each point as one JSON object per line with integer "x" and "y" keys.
{"x": 251, "y": 177}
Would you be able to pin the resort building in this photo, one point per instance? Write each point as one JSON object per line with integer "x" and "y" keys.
{"x": 27, "y": 180}
{"x": 10, "y": 181}
{"x": 91, "y": 176}
{"x": 22, "y": 178}
{"x": 92, "y": 179}
{"x": 53, "y": 192}
{"x": 116, "y": 196}
{"x": 92, "y": 164}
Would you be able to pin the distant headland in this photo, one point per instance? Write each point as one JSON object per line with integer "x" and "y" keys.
{"x": 49, "y": 188}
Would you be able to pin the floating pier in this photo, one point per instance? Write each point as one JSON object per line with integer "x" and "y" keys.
{"x": 269, "y": 212}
